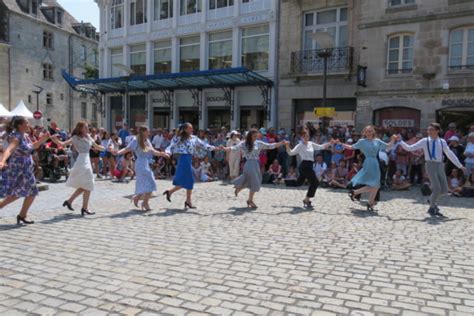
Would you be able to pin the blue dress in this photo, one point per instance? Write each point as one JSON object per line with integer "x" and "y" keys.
{"x": 145, "y": 178}
{"x": 369, "y": 175}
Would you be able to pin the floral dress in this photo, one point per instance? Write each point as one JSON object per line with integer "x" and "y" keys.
{"x": 20, "y": 178}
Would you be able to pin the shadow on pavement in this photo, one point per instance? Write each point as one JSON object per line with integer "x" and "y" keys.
{"x": 7, "y": 227}
{"x": 61, "y": 218}
{"x": 176, "y": 211}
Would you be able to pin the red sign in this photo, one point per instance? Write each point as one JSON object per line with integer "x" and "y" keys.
{"x": 37, "y": 115}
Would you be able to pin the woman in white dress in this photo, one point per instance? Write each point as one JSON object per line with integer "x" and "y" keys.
{"x": 81, "y": 176}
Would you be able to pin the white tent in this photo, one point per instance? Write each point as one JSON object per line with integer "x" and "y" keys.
{"x": 22, "y": 110}
{"x": 4, "y": 112}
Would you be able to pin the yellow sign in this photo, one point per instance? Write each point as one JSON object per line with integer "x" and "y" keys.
{"x": 328, "y": 112}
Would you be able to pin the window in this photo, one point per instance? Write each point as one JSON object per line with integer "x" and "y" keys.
{"x": 400, "y": 54}
{"x": 189, "y": 54}
{"x": 116, "y": 57}
{"x": 48, "y": 71}
{"x": 84, "y": 110}
{"x": 217, "y": 4}
{"x": 94, "y": 112}
{"x": 220, "y": 50}
{"x": 163, "y": 9}
{"x": 116, "y": 14}
{"x": 137, "y": 12}
{"x": 190, "y": 6}
{"x": 332, "y": 21}
{"x": 138, "y": 59}
{"x": 461, "y": 48}
{"x": 3, "y": 23}
{"x": 162, "y": 59}
{"x": 95, "y": 58}
{"x": 59, "y": 17}
{"x": 34, "y": 7}
{"x": 48, "y": 40}
{"x": 29, "y": 98}
{"x": 394, "y": 3}
{"x": 83, "y": 53}
{"x": 255, "y": 47}
{"x": 49, "y": 99}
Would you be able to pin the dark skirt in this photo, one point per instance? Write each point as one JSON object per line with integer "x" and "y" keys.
{"x": 184, "y": 172}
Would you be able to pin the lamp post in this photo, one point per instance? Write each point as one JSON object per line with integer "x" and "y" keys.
{"x": 326, "y": 44}
{"x": 130, "y": 72}
{"x": 38, "y": 92}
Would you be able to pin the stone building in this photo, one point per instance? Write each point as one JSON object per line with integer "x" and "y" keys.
{"x": 301, "y": 67}
{"x": 38, "y": 39}
{"x": 420, "y": 62}
{"x": 155, "y": 38}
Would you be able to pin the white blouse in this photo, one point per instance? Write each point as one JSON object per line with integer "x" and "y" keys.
{"x": 306, "y": 152}
{"x": 254, "y": 154}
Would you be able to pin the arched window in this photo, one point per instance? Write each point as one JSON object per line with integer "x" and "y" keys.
{"x": 400, "y": 54}
{"x": 461, "y": 48}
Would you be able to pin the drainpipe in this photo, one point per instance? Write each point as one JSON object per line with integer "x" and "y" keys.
{"x": 70, "y": 91}
{"x": 277, "y": 64}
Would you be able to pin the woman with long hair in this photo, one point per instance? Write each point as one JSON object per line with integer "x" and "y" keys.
{"x": 20, "y": 178}
{"x": 186, "y": 145}
{"x": 81, "y": 176}
{"x": 369, "y": 175}
{"x": 305, "y": 150}
{"x": 143, "y": 149}
{"x": 251, "y": 177}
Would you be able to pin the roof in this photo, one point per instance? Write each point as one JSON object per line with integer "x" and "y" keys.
{"x": 68, "y": 20}
{"x": 219, "y": 78}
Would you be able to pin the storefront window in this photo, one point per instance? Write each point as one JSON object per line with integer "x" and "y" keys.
{"x": 116, "y": 58}
{"x": 163, "y": 57}
{"x": 255, "y": 48}
{"x": 161, "y": 120}
{"x": 218, "y": 118}
{"x": 220, "y": 50}
{"x": 116, "y": 112}
{"x": 189, "y": 54}
{"x": 252, "y": 117}
{"x": 137, "y": 110}
{"x": 138, "y": 59}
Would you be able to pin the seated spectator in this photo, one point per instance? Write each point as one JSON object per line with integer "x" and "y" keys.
{"x": 274, "y": 171}
{"x": 339, "y": 176}
{"x": 197, "y": 171}
{"x": 468, "y": 189}
{"x": 291, "y": 177}
{"x": 355, "y": 168}
{"x": 399, "y": 181}
{"x": 159, "y": 167}
{"x": 320, "y": 168}
{"x": 206, "y": 170}
{"x": 455, "y": 182}
{"x": 349, "y": 154}
{"x": 329, "y": 175}
{"x": 124, "y": 168}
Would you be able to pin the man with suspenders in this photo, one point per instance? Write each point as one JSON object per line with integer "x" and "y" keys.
{"x": 433, "y": 147}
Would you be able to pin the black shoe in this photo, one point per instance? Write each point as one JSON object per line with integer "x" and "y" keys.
{"x": 86, "y": 212}
{"x": 370, "y": 208}
{"x": 68, "y": 205}
{"x": 437, "y": 212}
{"x": 307, "y": 204}
{"x": 189, "y": 205}
{"x": 352, "y": 195}
{"x": 168, "y": 195}
{"x": 432, "y": 211}
{"x": 20, "y": 219}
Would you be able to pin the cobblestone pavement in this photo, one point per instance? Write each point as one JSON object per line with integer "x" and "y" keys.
{"x": 224, "y": 259}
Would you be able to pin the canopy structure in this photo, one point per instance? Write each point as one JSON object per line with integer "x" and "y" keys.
{"x": 220, "y": 78}
{"x": 21, "y": 110}
{"x": 4, "y": 112}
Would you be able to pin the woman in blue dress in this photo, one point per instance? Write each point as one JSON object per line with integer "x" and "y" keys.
{"x": 144, "y": 152}
{"x": 186, "y": 145}
{"x": 18, "y": 161}
{"x": 369, "y": 175}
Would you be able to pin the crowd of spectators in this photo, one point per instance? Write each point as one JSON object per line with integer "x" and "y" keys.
{"x": 333, "y": 167}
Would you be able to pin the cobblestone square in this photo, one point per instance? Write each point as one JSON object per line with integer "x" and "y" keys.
{"x": 225, "y": 259}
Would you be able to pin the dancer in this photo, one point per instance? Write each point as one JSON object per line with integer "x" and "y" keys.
{"x": 369, "y": 175}
{"x": 186, "y": 145}
{"x": 81, "y": 176}
{"x": 433, "y": 147}
{"x": 20, "y": 178}
{"x": 305, "y": 150}
{"x": 142, "y": 148}
{"x": 251, "y": 177}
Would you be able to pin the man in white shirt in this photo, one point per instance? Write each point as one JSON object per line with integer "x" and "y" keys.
{"x": 433, "y": 147}
{"x": 158, "y": 139}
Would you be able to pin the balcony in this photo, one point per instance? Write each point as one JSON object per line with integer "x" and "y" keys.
{"x": 308, "y": 62}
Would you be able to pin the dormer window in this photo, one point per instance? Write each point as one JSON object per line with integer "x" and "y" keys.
{"x": 59, "y": 16}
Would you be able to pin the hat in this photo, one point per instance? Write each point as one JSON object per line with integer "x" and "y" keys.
{"x": 350, "y": 140}
{"x": 263, "y": 131}
{"x": 453, "y": 139}
{"x": 452, "y": 125}
{"x": 235, "y": 132}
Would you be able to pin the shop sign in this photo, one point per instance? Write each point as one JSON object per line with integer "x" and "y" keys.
{"x": 327, "y": 112}
{"x": 188, "y": 29}
{"x": 158, "y": 100}
{"x": 398, "y": 123}
{"x": 219, "y": 25}
{"x": 458, "y": 102}
{"x": 254, "y": 19}
{"x": 214, "y": 99}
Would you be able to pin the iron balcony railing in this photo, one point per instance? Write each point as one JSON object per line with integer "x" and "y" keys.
{"x": 309, "y": 61}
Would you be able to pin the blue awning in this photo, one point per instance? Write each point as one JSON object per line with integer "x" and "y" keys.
{"x": 220, "y": 78}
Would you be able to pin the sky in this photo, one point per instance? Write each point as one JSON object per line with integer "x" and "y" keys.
{"x": 83, "y": 10}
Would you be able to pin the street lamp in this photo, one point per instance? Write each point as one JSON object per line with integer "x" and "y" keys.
{"x": 38, "y": 92}
{"x": 130, "y": 72}
{"x": 326, "y": 44}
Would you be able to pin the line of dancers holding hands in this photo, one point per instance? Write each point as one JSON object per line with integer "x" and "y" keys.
{"x": 20, "y": 182}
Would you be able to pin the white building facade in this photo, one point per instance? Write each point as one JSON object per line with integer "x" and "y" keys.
{"x": 154, "y": 37}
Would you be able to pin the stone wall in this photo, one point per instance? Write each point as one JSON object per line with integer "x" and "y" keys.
{"x": 4, "y": 48}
